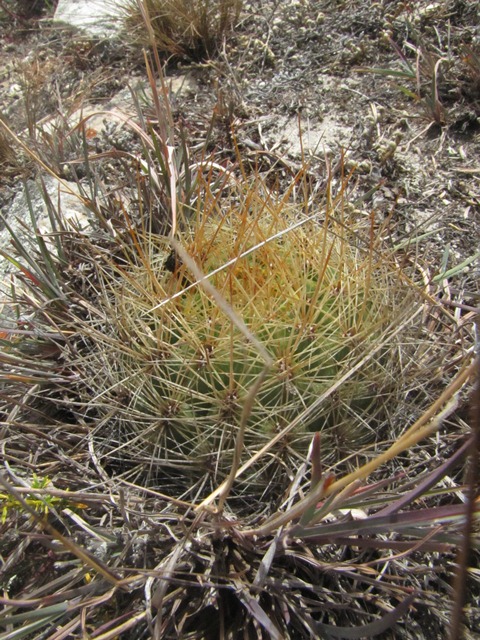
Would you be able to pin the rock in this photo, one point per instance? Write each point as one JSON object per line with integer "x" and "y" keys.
{"x": 97, "y": 18}
{"x": 66, "y": 197}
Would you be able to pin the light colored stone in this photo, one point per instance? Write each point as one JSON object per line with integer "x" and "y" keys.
{"x": 64, "y": 196}
{"x": 97, "y": 18}
{"x": 319, "y": 139}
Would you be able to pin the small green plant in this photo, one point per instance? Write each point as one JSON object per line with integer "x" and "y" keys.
{"x": 41, "y": 502}
{"x": 191, "y": 29}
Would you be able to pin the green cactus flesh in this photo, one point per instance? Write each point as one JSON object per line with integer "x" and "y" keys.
{"x": 318, "y": 305}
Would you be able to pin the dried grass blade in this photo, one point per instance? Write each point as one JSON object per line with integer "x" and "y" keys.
{"x": 257, "y": 612}
{"x": 431, "y": 480}
{"x": 202, "y": 280}
{"x": 432, "y": 418}
{"x": 369, "y": 630}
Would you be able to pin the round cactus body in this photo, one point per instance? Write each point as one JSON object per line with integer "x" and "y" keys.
{"x": 319, "y": 305}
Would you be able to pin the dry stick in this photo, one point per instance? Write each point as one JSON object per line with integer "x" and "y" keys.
{"x": 125, "y": 626}
{"x": 231, "y": 262}
{"x": 460, "y": 586}
{"x": 74, "y": 496}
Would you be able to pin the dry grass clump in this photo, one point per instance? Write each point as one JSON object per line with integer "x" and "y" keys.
{"x": 191, "y": 29}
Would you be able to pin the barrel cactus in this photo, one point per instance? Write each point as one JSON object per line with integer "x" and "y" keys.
{"x": 177, "y": 370}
